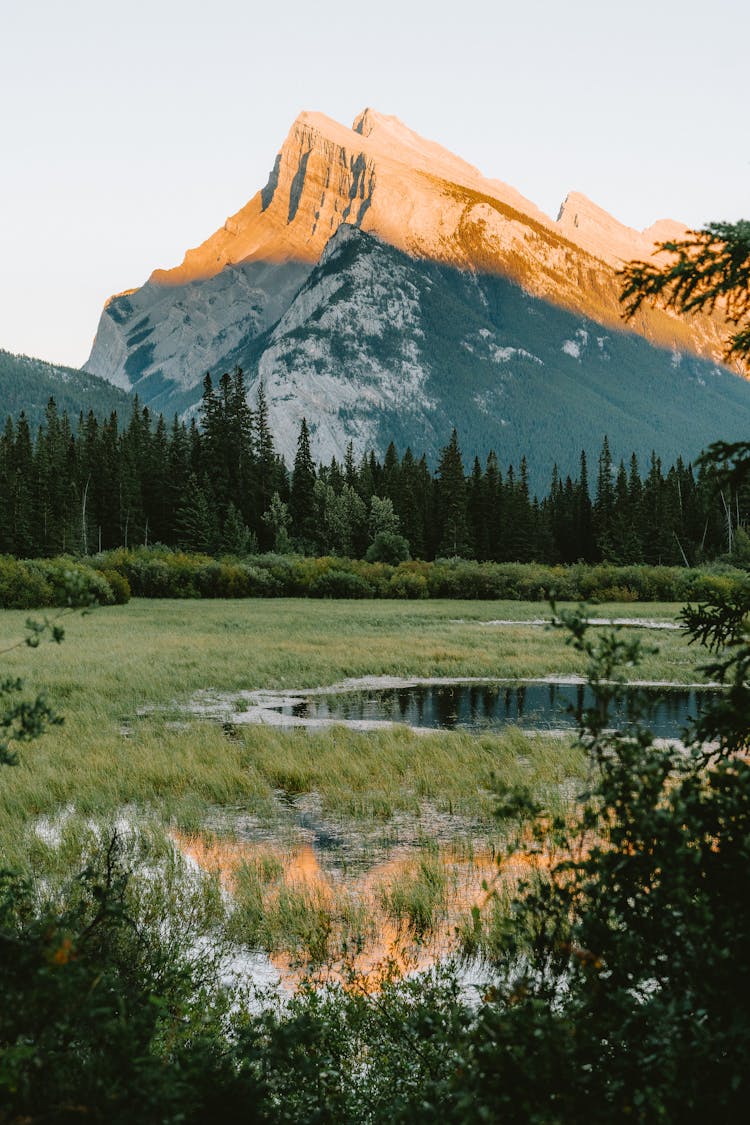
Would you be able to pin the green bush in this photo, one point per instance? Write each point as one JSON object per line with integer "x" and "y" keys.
{"x": 159, "y": 572}
{"x": 39, "y": 583}
{"x": 340, "y": 584}
{"x": 118, "y": 584}
{"x": 60, "y": 572}
{"x": 21, "y": 587}
{"x": 388, "y": 547}
{"x": 409, "y": 586}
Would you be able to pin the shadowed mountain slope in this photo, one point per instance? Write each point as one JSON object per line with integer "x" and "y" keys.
{"x": 381, "y": 286}
{"x": 28, "y": 384}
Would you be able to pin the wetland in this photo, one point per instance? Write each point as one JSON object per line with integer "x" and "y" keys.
{"x": 324, "y": 841}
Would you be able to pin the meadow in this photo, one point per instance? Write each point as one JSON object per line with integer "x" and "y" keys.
{"x": 319, "y": 834}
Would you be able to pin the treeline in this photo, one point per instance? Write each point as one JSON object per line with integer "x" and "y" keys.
{"x": 217, "y": 486}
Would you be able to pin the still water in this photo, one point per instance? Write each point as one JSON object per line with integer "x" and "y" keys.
{"x": 480, "y": 707}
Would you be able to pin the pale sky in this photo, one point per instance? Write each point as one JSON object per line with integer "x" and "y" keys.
{"x": 129, "y": 132}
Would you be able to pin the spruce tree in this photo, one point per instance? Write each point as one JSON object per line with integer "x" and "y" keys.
{"x": 21, "y": 496}
{"x": 476, "y": 511}
{"x": 196, "y": 525}
{"x": 267, "y": 475}
{"x": 584, "y": 523}
{"x": 604, "y": 506}
{"x": 450, "y": 502}
{"x": 492, "y": 505}
{"x": 302, "y": 495}
{"x": 408, "y": 507}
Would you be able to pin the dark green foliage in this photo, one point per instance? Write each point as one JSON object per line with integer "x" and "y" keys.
{"x": 302, "y": 492}
{"x": 196, "y": 523}
{"x": 103, "y": 1017}
{"x": 28, "y": 384}
{"x": 388, "y": 547}
{"x": 100, "y": 486}
{"x": 630, "y": 997}
{"x": 351, "y": 1058}
{"x": 38, "y": 583}
{"x": 340, "y": 584}
{"x": 710, "y": 266}
{"x": 160, "y": 572}
{"x": 452, "y": 531}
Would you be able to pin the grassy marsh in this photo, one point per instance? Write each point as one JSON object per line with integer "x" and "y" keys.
{"x": 121, "y": 659}
{"x": 121, "y": 679}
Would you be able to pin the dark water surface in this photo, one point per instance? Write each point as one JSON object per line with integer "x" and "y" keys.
{"x": 480, "y": 707}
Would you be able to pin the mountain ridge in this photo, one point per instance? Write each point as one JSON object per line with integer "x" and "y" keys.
{"x": 245, "y": 294}
{"x": 27, "y": 384}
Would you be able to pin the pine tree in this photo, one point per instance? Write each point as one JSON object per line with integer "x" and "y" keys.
{"x": 492, "y": 497}
{"x": 108, "y": 485}
{"x": 196, "y": 525}
{"x": 267, "y": 475}
{"x": 49, "y": 465}
{"x": 302, "y": 495}
{"x": 21, "y": 496}
{"x": 450, "y": 502}
{"x": 7, "y": 441}
{"x": 179, "y": 472}
{"x": 133, "y": 444}
{"x": 236, "y": 537}
{"x": 278, "y": 521}
{"x": 408, "y": 506}
{"x": 604, "y": 505}
{"x": 584, "y": 522}
{"x": 476, "y": 511}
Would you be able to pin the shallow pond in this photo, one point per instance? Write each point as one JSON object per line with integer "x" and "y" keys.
{"x": 479, "y": 707}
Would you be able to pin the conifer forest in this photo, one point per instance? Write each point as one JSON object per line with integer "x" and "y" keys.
{"x": 216, "y": 485}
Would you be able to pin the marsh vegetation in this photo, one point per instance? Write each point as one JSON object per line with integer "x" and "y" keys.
{"x": 331, "y": 843}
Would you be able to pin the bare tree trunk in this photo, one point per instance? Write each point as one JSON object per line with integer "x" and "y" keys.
{"x": 84, "y": 529}
{"x": 728, "y": 514}
{"x": 684, "y": 556}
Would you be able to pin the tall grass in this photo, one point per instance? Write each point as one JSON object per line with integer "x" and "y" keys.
{"x": 123, "y": 673}
{"x": 122, "y": 679}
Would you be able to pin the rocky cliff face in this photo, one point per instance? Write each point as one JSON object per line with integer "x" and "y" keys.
{"x": 267, "y": 289}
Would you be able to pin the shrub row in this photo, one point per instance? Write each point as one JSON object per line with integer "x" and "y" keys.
{"x": 158, "y": 572}
{"x": 161, "y": 573}
{"x": 42, "y": 583}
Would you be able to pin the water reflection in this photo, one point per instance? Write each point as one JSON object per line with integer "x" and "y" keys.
{"x": 401, "y": 913}
{"x": 478, "y": 707}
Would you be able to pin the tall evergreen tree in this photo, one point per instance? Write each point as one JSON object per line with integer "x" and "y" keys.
{"x": 451, "y": 502}
{"x": 604, "y": 505}
{"x": 302, "y": 495}
{"x": 492, "y": 503}
{"x": 267, "y": 475}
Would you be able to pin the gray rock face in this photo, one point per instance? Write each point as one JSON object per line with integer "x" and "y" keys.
{"x": 372, "y": 283}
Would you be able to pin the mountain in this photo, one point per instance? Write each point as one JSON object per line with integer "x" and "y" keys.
{"x": 28, "y": 384}
{"x": 381, "y": 286}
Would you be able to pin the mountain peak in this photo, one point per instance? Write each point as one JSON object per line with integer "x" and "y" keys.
{"x": 384, "y": 179}
{"x": 591, "y": 227}
{"x": 366, "y": 121}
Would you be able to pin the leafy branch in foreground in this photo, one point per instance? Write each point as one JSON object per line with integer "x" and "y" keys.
{"x": 708, "y": 269}
{"x": 623, "y": 970}
{"x": 23, "y": 720}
